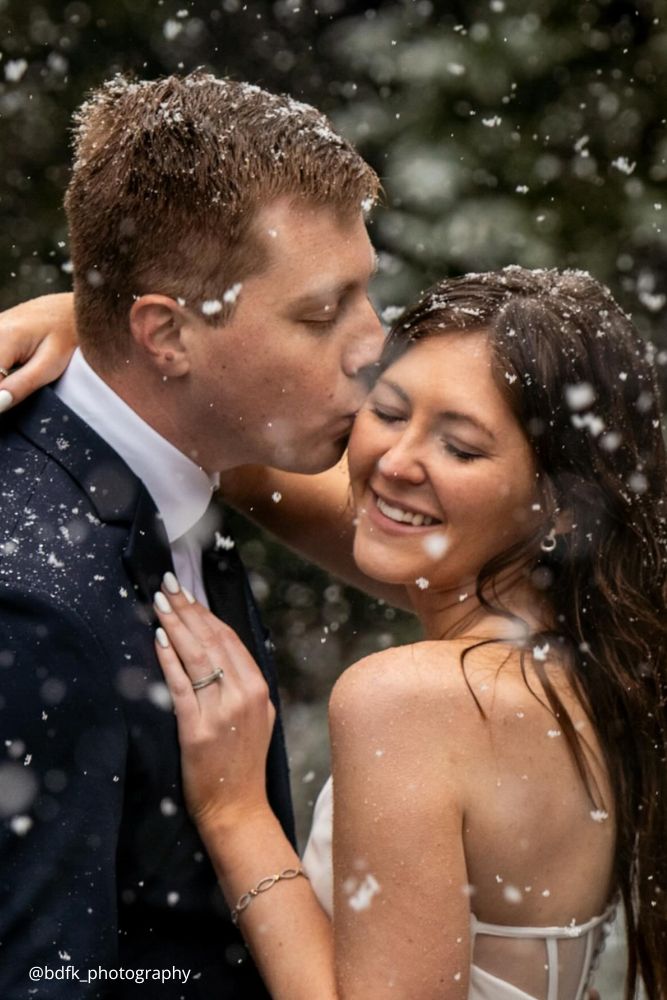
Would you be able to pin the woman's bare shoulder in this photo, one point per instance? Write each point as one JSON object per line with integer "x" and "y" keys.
{"x": 485, "y": 689}
{"x": 405, "y": 687}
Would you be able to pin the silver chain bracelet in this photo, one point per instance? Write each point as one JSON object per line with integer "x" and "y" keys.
{"x": 263, "y": 885}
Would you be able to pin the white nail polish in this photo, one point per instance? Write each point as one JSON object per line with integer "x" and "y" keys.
{"x": 6, "y": 400}
{"x": 171, "y": 583}
{"x": 161, "y": 603}
{"x": 188, "y": 596}
{"x": 161, "y": 637}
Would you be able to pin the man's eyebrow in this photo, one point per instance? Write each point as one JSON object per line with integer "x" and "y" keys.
{"x": 450, "y": 415}
{"x": 327, "y": 292}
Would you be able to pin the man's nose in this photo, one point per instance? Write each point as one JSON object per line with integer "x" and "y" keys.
{"x": 364, "y": 349}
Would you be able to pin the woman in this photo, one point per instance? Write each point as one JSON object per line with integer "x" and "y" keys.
{"x": 498, "y": 784}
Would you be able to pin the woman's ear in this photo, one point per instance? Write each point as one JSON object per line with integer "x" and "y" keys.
{"x": 156, "y": 325}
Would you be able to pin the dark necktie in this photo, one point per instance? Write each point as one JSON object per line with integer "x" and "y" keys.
{"x": 231, "y": 600}
{"x": 226, "y": 586}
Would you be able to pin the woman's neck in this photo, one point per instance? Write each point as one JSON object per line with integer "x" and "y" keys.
{"x": 458, "y": 613}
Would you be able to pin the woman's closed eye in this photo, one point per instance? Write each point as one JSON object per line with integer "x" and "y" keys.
{"x": 460, "y": 453}
{"x": 387, "y": 416}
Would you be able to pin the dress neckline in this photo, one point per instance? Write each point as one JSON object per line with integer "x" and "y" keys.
{"x": 570, "y": 931}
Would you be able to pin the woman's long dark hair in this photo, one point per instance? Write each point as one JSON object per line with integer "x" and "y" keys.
{"x": 581, "y": 382}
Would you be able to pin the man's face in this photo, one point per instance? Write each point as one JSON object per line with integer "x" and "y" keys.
{"x": 281, "y": 382}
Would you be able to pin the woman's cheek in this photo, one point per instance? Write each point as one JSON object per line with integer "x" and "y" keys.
{"x": 362, "y": 448}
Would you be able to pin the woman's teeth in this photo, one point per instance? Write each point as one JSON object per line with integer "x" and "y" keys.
{"x": 403, "y": 516}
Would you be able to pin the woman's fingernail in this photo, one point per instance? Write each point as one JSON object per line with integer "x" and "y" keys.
{"x": 161, "y": 603}
{"x": 161, "y": 637}
{"x": 171, "y": 583}
{"x": 6, "y": 400}
{"x": 188, "y": 596}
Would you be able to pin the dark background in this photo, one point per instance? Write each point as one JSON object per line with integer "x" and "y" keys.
{"x": 505, "y": 132}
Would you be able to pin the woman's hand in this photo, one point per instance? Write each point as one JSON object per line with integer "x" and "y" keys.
{"x": 225, "y": 727}
{"x": 39, "y": 336}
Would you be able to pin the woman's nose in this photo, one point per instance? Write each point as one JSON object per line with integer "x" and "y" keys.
{"x": 402, "y": 462}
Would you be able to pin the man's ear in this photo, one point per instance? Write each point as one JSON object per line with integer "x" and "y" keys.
{"x": 156, "y": 324}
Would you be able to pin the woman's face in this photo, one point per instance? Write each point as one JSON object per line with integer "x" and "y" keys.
{"x": 442, "y": 475}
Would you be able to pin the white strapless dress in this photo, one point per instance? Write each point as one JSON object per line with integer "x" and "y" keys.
{"x": 542, "y": 963}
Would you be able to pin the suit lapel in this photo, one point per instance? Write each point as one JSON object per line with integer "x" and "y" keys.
{"x": 147, "y": 555}
{"x": 115, "y": 493}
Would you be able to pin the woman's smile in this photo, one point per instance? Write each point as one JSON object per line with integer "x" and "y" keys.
{"x": 397, "y": 516}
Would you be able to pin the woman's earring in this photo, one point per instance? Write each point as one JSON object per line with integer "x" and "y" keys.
{"x": 548, "y": 543}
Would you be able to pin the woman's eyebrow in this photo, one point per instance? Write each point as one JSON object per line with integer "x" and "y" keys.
{"x": 456, "y": 415}
{"x": 448, "y": 415}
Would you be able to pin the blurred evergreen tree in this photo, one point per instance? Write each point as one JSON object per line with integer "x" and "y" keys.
{"x": 514, "y": 133}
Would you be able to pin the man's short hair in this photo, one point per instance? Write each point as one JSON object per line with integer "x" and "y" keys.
{"x": 168, "y": 177}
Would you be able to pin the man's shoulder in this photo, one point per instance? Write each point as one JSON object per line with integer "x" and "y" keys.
{"x": 52, "y": 539}
{"x": 55, "y": 471}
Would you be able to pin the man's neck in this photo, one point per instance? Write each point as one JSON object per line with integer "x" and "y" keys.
{"x": 162, "y": 404}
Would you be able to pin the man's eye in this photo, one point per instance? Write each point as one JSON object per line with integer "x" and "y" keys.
{"x": 322, "y": 321}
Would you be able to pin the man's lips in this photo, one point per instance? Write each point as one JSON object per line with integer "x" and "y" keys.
{"x": 344, "y": 424}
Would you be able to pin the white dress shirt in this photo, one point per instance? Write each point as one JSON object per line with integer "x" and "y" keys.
{"x": 180, "y": 488}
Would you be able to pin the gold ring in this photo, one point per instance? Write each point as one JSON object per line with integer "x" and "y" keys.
{"x": 4, "y": 372}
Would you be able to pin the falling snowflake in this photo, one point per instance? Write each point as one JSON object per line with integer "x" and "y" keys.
{"x": 224, "y": 542}
{"x": 435, "y": 545}
{"x": 512, "y": 894}
{"x": 20, "y": 825}
{"x": 15, "y": 69}
{"x": 362, "y": 897}
{"x": 232, "y": 294}
{"x": 623, "y": 164}
{"x": 579, "y": 396}
{"x": 211, "y": 307}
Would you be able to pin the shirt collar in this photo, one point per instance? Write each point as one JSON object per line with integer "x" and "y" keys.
{"x": 180, "y": 488}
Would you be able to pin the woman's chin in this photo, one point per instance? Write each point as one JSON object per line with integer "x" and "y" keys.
{"x": 379, "y": 567}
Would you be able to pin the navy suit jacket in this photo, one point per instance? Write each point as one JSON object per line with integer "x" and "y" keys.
{"x": 100, "y": 866}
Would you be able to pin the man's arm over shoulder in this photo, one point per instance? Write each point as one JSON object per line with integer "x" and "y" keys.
{"x": 61, "y": 780}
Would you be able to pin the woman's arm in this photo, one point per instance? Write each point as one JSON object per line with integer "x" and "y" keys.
{"x": 39, "y": 336}
{"x": 224, "y": 731}
{"x": 401, "y": 913}
{"x": 311, "y": 514}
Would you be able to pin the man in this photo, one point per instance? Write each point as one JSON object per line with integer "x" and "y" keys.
{"x": 221, "y": 267}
